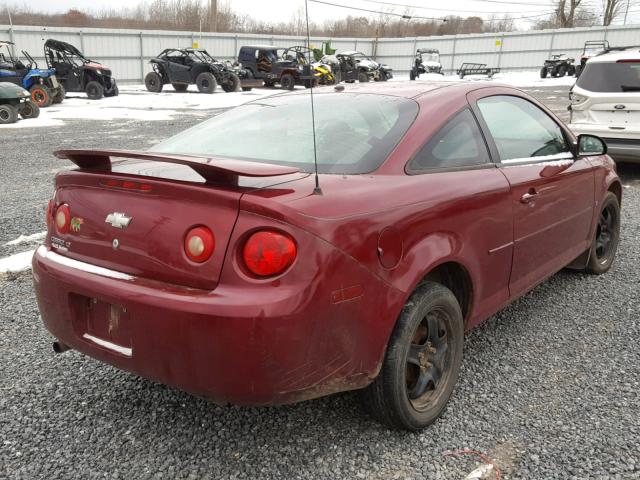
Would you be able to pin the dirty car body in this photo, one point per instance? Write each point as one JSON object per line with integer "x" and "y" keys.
{"x": 400, "y": 202}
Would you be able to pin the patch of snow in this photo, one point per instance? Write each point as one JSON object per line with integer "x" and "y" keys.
{"x": 36, "y": 237}
{"x": 136, "y": 103}
{"x": 16, "y": 263}
{"x": 480, "y": 473}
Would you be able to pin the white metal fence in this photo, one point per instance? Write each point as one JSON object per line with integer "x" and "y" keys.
{"x": 128, "y": 52}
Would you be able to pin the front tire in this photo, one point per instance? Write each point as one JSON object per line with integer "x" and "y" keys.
{"x": 206, "y": 82}
{"x": 41, "y": 96}
{"x": 95, "y": 90}
{"x": 232, "y": 85}
{"x": 8, "y": 114}
{"x": 544, "y": 72}
{"x": 153, "y": 82}
{"x": 606, "y": 238}
{"x": 422, "y": 361}
{"x": 60, "y": 94}
{"x": 287, "y": 81}
{"x": 363, "y": 77}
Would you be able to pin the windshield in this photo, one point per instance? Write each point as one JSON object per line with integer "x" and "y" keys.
{"x": 611, "y": 77}
{"x": 430, "y": 57}
{"x": 355, "y": 133}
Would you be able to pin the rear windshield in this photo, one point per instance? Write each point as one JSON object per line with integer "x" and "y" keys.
{"x": 611, "y": 77}
{"x": 355, "y": 133}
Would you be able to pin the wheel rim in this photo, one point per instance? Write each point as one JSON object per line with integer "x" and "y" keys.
{"x": 205, "y": 83}
{"x": 606, "y": 234}
{"x": 4, "y": 115}
{"x": 428, "y": 359}
{"x": 38, "y": 96}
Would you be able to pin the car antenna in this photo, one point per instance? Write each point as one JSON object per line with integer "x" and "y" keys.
{"x": 317, "y": 190}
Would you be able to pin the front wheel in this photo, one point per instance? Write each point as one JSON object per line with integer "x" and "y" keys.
{"x": 8, "y": 114}
{"x": 95, "y": 90}
{"x": 41, "y": 96}
{"x": 287, "y": 81}
{"x": 232, "y": 84}
{"x": 363, "y": 77}
{"x": 422, "y": 362}
{"x": 607, "y": 236}
{"x": 206, "y": 82}
{"x": 544, "y": 72}
{"x": 153, "y": 82}
{"x": 60, "y": 94}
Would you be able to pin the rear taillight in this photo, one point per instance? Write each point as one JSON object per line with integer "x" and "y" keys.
{"x": 268, "y": 253}
{"x": 62, "y": 218}
{"x": 199, "y": 244}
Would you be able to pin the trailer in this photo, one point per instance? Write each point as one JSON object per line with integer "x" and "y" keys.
{"x": 476, "y": 69}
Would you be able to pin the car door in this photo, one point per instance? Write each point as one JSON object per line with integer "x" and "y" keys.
{"x": 552, "y": 191}
{"x": 469, "y": 200}
{"x": 178, "y": 71}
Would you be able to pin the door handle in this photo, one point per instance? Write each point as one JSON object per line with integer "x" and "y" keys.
{"x": 529, "y": 196}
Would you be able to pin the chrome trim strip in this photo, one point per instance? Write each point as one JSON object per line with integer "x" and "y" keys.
{"x": 546, "y": 158}
{"x": 127, "y": 352}
{"x": 45, "y": 253}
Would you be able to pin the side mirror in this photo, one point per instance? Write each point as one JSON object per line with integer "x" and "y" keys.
{"x": 591, "y": 145}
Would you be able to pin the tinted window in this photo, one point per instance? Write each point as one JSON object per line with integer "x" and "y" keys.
{"x": 610, "y": 77}
{"x": 458, "y": 144}
{"x": 355, "y": 133}
{"x": 520, "y": 129}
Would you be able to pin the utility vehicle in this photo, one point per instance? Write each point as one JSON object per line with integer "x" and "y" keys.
{"x": 591, "y": 48}
{"x": 78, "y": 73}
{"x": 182, "y": 67}
{"x": 558, "y": 66}
{"x": 427, "y": 60}
{"x": 43, "y": 84}
{"x": 16, "y": 101}
{"x": 287, "y": 66}
{"x": 357, "y": 66}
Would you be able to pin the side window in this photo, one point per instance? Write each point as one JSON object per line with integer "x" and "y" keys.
{"x": 520, "y": 129}
{"x": 458, "y": 144}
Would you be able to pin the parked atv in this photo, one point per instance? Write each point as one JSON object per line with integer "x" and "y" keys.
{"x": 287, "y": 66}
{"x": 182, "y": 67}
{"x": 427, "y": 60}
{"x": 42, "y": 84}
{"x": 78, "y": 73}
{"x": 591, "y": 48}
{"x": 558, "y": 66}
{"x": 357, "y": 66}
{"x": 16, "y": 101}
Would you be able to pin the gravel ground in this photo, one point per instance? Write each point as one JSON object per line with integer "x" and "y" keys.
{"x": 549, "y": 387}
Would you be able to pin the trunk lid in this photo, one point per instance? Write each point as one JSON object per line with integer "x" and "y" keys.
{"x": 162, "y": 202}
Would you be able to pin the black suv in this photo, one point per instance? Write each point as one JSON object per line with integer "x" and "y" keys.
{"x": 287, "y": 66}
{"x": 182, "y": 67}
{"x": 77, "y": 73}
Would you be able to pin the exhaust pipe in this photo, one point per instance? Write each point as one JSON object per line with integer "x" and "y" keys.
{"x": 60, "y": 347}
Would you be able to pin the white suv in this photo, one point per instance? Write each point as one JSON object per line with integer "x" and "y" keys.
{"x": 605, "y": 101}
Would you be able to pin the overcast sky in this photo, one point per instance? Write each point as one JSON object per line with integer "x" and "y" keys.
{"x": 281, "y": 10}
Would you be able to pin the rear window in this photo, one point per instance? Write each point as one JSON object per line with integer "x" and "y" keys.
{"x": 355, "y": 133}
{"x": 611, "y": 77}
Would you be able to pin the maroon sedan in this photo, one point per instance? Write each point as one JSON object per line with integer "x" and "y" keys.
{"x": 214, "y": 264}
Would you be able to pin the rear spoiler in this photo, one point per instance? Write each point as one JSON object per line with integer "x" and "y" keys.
{"x": 211, "y": 169}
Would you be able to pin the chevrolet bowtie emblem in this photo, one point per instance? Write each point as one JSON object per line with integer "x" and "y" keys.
{"x": 118, "y": 220}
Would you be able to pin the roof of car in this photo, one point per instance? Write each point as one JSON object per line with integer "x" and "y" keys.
{"x": 612, "y": 57}
{"x": 407, "y": 89}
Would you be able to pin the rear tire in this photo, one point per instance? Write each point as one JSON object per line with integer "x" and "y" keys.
{"x": 60, "y": 94}
{"x": 562, "y": 70}
{"x": 115, "y": 91}
{"x": 287, "y": 81}
{"x": 41, "y": 96}
{"x": 206, "y": 82}
{"x": 180, "y": 87}
{"x": 412, "y": 74}
{"x": 363, "y": 77}
{"x": 544, "y": 72}
{"x": 421, "y": 365}
{"x": 606, "y": 238}
{"x": 29, "y": 110}
{"x": 95, "y": 90}
{"x": 153, "y": 82}
{"x": 8, "y": 114}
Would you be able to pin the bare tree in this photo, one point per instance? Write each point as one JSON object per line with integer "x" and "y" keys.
{"x": 565, "y": 19}
{"x": 611, "y": 9}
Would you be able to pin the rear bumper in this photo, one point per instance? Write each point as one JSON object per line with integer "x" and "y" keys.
{"x": 255, "y": 345}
